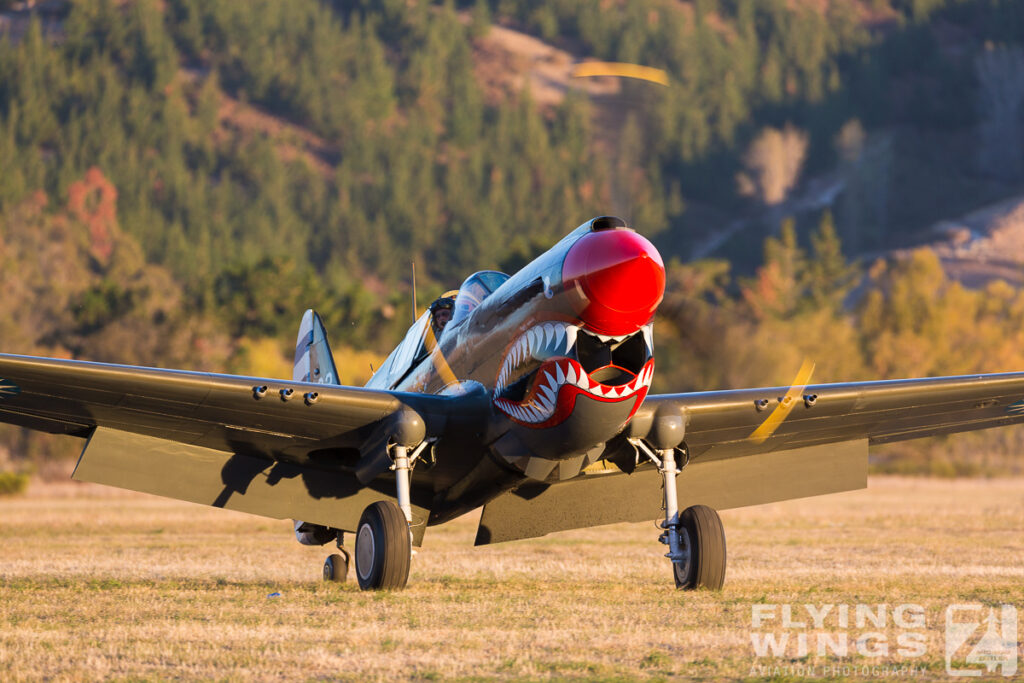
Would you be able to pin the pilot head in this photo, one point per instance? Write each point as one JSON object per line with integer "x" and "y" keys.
{"x": 441, "y": 313}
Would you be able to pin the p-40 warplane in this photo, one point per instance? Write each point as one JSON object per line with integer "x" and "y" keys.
{"x": 532, "y": 402}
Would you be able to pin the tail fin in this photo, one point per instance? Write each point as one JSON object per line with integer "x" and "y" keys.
{"x": 313, "y": 359}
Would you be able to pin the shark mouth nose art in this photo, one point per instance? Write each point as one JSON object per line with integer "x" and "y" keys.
{"x": 551, "y": 364}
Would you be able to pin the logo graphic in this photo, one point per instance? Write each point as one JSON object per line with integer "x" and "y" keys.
{"x": 980, "y": 640}
{"x": 1015, "y": 408}
{"x": 8, "y": 389}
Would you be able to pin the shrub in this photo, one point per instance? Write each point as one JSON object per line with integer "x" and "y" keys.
{"x": 12, "y": 483}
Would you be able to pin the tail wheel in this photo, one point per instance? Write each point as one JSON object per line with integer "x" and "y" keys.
{"x": 705, "y": 566}
{"x": 383, "y": 548}
{"x": 336, "y": 568}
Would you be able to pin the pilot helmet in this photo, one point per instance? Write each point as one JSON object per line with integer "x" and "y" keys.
{"x": 442, "y": 302}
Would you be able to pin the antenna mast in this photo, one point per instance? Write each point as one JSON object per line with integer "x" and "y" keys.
{"x": 414, "y": 291}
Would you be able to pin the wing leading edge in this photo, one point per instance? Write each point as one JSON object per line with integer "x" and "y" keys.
{"x": 819, "y": 447}
{"x": 222, "y": 412}
{"x": 278, "y": 448}
{"x": 720, "y": 424}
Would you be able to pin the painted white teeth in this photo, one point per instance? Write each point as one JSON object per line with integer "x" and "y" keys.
{"x": 570, "y": 337}
{"x": 548, "y": 391}
{"x": 609, "y": 339}
{"x": 541, "y": 342}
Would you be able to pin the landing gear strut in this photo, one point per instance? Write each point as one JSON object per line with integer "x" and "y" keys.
{"x": 695, "y": 538}
{"x": 384, "y": 536}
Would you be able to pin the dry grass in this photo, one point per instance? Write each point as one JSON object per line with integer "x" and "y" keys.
{"x": 102, "y": 584}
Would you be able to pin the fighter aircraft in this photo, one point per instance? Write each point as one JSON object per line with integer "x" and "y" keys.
{"x": 533, "y": 402}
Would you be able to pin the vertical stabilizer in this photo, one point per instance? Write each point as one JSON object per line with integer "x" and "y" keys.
{"x": 313, "y": 359}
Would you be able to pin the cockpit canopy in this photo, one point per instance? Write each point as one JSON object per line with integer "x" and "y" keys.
{"x": 401, "y": 359}
{"x": 419, "y": 340}
{"x": 474, "y": 290}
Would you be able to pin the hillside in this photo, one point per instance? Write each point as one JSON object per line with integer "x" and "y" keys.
{"x": 205, "y": 171}
{"x": 886, "y": 105}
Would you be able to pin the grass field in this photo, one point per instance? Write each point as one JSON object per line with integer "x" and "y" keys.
{"x": 97, "y": 583}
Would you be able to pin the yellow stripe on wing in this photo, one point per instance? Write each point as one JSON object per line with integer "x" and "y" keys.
{"x": 781, "y": 412}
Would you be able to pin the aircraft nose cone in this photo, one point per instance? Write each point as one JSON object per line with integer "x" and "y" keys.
{"x": 616, "y": 279}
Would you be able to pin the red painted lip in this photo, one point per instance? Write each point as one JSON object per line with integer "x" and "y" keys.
{"x": 618, "y": 278}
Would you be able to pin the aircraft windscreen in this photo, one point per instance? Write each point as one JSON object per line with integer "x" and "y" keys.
{"x": 474, "y": 290}
{"x": 401, "y": 359}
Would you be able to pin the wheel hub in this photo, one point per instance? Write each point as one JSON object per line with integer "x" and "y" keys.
{"x": 365, "y": 550}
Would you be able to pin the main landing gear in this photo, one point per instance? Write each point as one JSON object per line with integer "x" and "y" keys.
{"x": 695, "y": 538}
{"x": 383, "y": 548}
{"x": 383, "y": 552}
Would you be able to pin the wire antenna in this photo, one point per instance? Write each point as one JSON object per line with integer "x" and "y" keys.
{"x": 414, "y": 309}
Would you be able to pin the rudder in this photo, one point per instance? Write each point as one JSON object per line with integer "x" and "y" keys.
{"x": 313, "y": 359}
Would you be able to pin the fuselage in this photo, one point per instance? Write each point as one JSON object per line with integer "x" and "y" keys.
{"x": 560, "y": 356}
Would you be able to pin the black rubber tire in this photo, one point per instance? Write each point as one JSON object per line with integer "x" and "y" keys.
{"x": 704, "y": 528}
{"x": 336, "y": 568}
{"x": 383, "y": 548}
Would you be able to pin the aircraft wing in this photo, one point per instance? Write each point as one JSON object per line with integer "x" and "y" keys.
{"x": 753, "y": 446}
{"x": 214, "y": 439}
{"x": 723, "y": 424}
{"x": 214, "y": 411}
